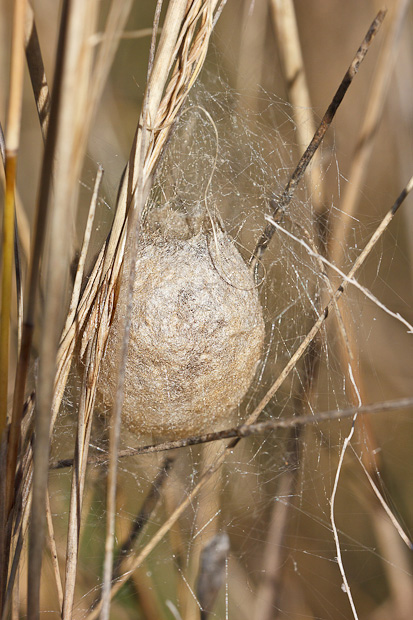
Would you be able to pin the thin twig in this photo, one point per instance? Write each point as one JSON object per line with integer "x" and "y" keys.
{"x": 326, "y": 121}
{"x": 343, "y": 451}
{"x": 249, "y": 430}
{"x": 385, "y": 506}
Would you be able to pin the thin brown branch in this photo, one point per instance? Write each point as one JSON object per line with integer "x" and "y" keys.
{"x": 245, "y": 430}
{"x": 326, "y": 121}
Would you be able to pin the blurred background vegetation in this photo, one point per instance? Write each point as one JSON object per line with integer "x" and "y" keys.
{"x": 244, "y": 78}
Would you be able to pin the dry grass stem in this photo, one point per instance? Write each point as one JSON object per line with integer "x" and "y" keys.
{"x": 68, "y": 105}
{"x": 53, "y": 552}
{"x": 288, "y": 41}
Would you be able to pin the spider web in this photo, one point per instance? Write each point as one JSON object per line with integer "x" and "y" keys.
{"x": 272, "y": 497}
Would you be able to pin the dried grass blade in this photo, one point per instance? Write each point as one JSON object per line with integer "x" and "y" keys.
{"x": 74, "y": 57}
{"x": 83, "y": 254}
{"x": 288, "y": 40}
{"x": 78, "y": 481}
{"x": 53, "y": 552}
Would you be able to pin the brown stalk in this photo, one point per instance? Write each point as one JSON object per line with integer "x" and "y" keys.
{"x": 251, "y": 429}
{"x": 326, "y": 121}
{"x": 11, "y": 151}
{"x": 163, "y": 530}
{"x": 78, "y": 21}
{"x": 84, "y": 425}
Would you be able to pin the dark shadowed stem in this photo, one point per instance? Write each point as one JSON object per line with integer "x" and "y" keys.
{"x": 37, "y": 72}
{"x": 297, "y": 175}
{"x": 142, "y": 518}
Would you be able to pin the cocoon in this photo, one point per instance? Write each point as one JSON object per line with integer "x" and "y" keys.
{"x": 196, "y": 334}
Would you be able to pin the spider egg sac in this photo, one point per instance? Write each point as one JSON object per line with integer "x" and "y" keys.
{"x": 196, "y": 335}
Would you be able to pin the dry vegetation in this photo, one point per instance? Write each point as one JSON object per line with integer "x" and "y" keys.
{"x": 300, "y": 506}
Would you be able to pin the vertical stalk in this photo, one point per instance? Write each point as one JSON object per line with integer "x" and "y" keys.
{"x": 12, "y": 146}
